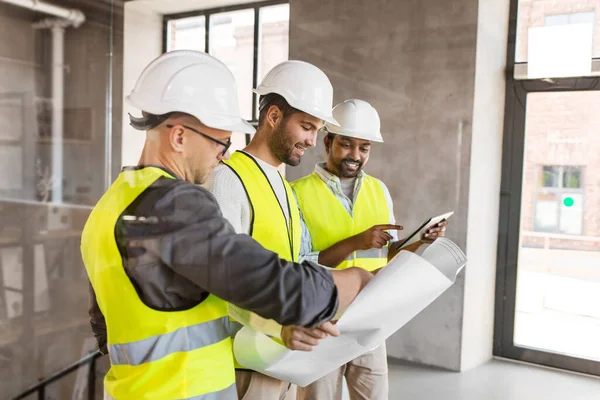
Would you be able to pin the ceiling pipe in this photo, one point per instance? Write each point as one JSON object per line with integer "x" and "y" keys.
{"x": 75, "y": 17}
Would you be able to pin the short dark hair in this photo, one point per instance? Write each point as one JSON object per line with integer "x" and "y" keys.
{"x": 273, "y": 99}
{"x": 148, "y": 121}
{"x": 330, "y": 135}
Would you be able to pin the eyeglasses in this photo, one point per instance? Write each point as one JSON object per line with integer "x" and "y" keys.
{"x": 225, "y": 145}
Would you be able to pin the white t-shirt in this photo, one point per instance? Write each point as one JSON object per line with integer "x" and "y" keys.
{"x": 229, "y": 191}
{"x": 348, "y": 187}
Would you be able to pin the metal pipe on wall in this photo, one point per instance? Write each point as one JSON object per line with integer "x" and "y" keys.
{"x": 75, "y": 17}
{"x": 58, "y": 95}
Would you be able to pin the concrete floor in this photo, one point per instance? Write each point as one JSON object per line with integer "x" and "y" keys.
{"x": 496, "y": 380}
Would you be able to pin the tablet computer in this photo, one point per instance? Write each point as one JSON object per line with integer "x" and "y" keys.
{"x": 418, "y": 233}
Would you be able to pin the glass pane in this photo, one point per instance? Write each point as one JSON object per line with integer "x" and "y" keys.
{"x": 582, "y": 18}
{"x": 550, "y": 176}
{"x": 232, "y": 41}
{"x": 187, "y": 33}
{"x": 572, "y": 178}
{"x": 538, "y": 13}
{"x": 274, "y": 39}
{"x": 561, "y": 19}
{"x": 558, "y": 285}
{"x": 571, "y": 213}
{"x": 274, "y": 36}
{"x": 546, "y": 212}
{"x": 56, "y": 142}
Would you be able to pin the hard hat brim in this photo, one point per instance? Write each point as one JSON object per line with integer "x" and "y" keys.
{"x": 328, "y": 118}
{"x": 233, "y": 123}
{"x": 356, "y": 135}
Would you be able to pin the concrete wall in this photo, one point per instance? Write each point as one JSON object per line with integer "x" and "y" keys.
{"x": 484, "y": 183}
{"x": 416, "y": 63}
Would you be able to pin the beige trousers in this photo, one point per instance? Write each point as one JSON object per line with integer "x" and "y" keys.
{"x": 256, "y": 386}
{"x": 367, "y": 378}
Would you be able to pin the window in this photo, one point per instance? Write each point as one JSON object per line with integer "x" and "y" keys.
{"x": 229, "y": 34}
{"x": 559, "y": 200}
{"x": 549, "y": 187}
{"x": 536, "y": 14}
{"x": 187, "y": 33}
{"x": 569, "y": 19}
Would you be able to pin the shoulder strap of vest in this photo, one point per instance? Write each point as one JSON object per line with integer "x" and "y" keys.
{"x": 232, "y": 166}
{"x": 240, "y": 161}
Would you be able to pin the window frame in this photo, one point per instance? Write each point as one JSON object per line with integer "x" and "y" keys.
{"x": 518, "y": 86}
{"x": 207, "y": 13}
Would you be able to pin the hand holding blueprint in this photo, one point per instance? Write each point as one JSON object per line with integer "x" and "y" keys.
{"x": 407, "y": 285}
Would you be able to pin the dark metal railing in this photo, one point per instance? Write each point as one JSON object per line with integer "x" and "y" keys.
{"x": 40, "y": 387}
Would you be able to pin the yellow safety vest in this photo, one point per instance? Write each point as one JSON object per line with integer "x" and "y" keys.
{"x": 153, "y": 354}
{"x": 268, "y": 225}
{"x": 329, "y": 223}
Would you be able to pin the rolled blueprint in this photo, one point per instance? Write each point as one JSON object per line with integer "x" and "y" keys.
{"x": 407, "y": 285}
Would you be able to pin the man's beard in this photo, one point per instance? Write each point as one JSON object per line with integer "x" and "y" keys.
{"x": 282, "y": 147}
{"x": 345, "y": 171}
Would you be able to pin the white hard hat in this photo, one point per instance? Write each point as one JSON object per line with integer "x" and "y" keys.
{"x": 194, "y": 83}
{"x": 357, "y": 119}
{"x": 304, "y": 86}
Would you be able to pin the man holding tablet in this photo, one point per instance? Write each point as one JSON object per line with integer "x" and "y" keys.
{"x": 348, "y": 220}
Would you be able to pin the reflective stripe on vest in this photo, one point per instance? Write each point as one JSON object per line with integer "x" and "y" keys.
{"x": 183, "y": 339}
{"x": 329, "y": 222}
{"x": 227, "y": 393}
{"x": 269, "y": 226}
{"x": 154, "y": 354}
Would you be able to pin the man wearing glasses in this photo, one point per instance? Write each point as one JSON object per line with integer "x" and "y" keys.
{"x": 163, "y": 263}
{"x": 295, "y": 99}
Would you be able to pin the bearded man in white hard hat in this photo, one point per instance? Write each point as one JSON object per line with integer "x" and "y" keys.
{"x": 348, "y": 220}
{"x": 295, "y": 100}
{"x": 163, "y": 263}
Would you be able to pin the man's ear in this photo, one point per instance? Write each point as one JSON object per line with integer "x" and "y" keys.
{"x": 176, "y": 138}
{"x": 327, "y": 140}
{"x": 274, "y": 116}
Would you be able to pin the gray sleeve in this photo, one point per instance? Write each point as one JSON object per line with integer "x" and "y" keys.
{"x": 97, "y": 321}
{"x": 195, "y": 241}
